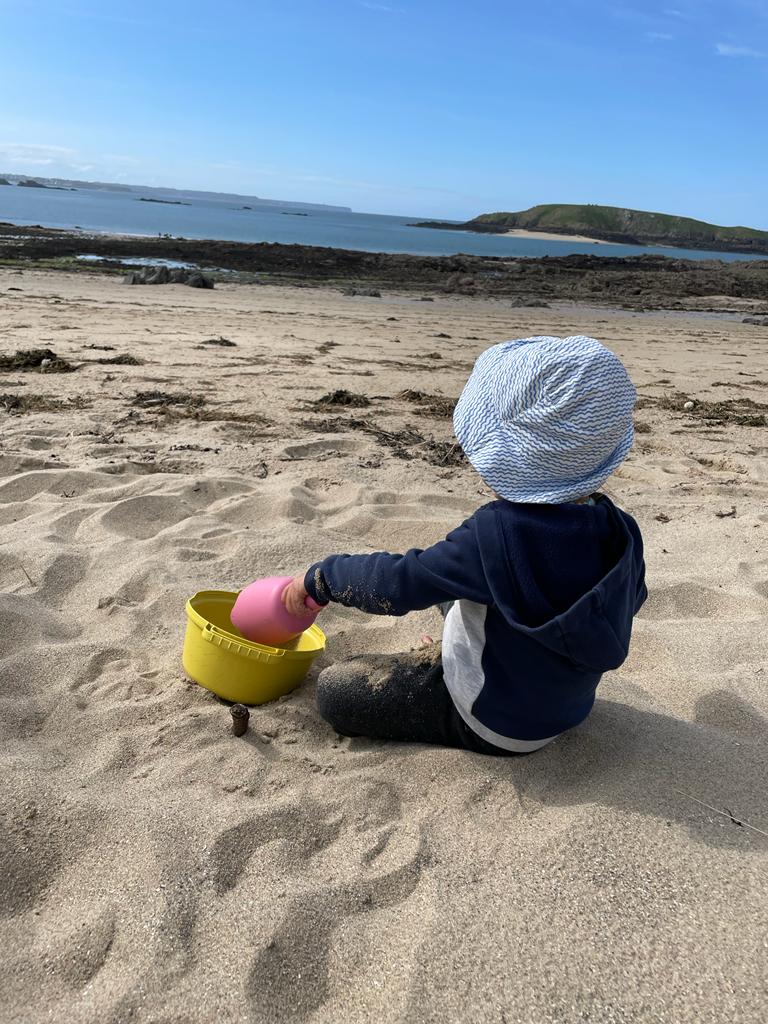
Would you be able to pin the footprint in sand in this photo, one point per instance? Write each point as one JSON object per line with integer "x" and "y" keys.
{"x": 72, "y": 483}
{"x": 38, "y": 824}
{"x": 77, "y": 954}
{"x": 61, "y": 576}
{"x": 756, "y": 574}
{"x": 290, "y": 978}
{"x": 724, "y": 710}
{"x": 12, "y": 465}
{"x": 146, "y": 516}
{"x": 303, "y": 829}
{"x": 42, "y": 442}
{"x": 27, "y": 622}
{"x": 195, "y": 555}
{"x": 65, "y": 527}
{"x": 692, "y": 601}
{"x": 322, "y": 449}
{"x": 108, "y": 660}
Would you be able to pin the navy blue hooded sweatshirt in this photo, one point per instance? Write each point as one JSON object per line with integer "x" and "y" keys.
{"x": 544, "y": 600}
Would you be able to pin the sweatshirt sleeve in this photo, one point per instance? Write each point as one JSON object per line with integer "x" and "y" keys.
{"x": 386, "y": 584}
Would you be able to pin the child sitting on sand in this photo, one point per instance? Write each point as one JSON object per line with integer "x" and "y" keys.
{"x": 538, "y": 588}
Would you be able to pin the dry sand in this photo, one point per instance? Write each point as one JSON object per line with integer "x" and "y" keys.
{"x": 156, "y": 869}
{"x": 553, "y": 236}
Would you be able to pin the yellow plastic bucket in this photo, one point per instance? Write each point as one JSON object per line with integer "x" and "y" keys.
{"x": 219, "y": 658}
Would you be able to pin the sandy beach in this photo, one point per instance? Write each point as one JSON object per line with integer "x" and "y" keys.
{"x": 553, "y": 236}
{"x": 157, "y": 869}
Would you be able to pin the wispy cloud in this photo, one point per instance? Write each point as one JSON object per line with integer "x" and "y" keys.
{"x": 378, "y": 7}
{"x": 663, "y": 37}
{"x": 34, "y": 154}
{"x": 58, "y": 160}
{"x": 726, "y": 50}
{"x": 689, "y": 12}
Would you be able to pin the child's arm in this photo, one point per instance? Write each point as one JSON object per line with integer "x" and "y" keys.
{"x": 386, "y": 584}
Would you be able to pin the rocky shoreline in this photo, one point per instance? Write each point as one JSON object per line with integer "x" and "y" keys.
{"x": 638, "y": 282}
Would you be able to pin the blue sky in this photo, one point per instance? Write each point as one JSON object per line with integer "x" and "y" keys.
{"x": 414, "y": 107}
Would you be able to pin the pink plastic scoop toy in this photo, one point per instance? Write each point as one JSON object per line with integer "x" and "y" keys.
{"x": 260, "y": 615}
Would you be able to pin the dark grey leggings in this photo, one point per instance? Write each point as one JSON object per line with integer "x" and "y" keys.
{"x": 396, "y": 697}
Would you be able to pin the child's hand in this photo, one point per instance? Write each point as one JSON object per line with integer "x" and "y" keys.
{"x": 294, "y": 596}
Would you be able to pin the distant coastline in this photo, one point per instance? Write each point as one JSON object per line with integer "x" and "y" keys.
{"x": 175, "y": 196}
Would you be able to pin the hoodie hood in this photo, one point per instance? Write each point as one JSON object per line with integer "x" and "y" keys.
{"x": 591, "y": 628}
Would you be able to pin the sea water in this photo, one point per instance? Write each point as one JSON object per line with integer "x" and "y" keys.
{"x": 120, "y": 212}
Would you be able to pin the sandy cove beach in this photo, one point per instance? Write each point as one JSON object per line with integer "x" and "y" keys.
{"x": 157, "y": 869}
{"x": 555, "y": 236}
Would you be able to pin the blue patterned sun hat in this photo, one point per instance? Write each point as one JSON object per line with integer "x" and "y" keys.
{"x": 546, "y": 420}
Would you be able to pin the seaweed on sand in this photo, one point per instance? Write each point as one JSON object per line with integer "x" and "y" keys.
{"x": 162, "y": 400}
{"x": 429, "y": 405}
{"x": 404, "y": 444}
{"x": 192, "y": 407}
{"x": 443, "y": 453}
{"x": 126, "y": 359}
{"x": 743, "y": 412}
{"x": 43, "y": 359}
{"x": 342, "y": 397}
{"x": 17, "y": 405}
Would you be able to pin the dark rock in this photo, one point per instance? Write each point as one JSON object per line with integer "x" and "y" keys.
{"x": 758, "y": 321}
{"x": 160, "y": 275}
{"x": 221, "y": 342}
{"x": 164, "y": 275}
{"x": 370, "y": 293}
{"x": 199, "y": 281}
{"x": 164, "y": 202}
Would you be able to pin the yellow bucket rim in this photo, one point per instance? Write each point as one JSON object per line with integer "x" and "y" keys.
{"x": 248, "y": 646}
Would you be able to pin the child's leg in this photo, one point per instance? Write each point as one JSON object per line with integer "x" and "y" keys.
{"x": 395, "y": 697}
